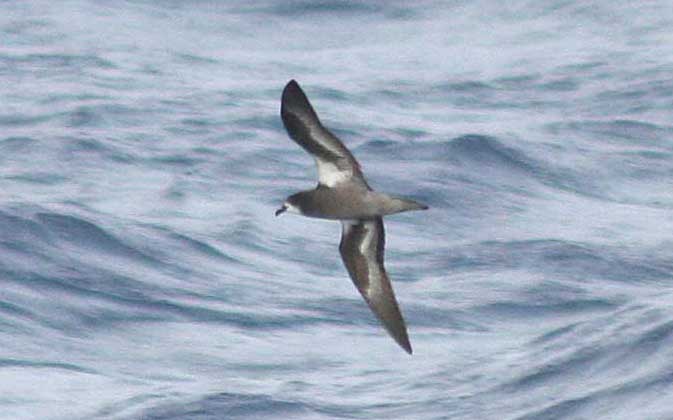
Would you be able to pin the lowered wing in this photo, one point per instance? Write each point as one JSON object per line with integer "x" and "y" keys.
{"x": 362, "y": 246}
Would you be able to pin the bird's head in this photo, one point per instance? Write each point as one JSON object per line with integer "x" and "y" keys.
{"x": 291, "y": 204}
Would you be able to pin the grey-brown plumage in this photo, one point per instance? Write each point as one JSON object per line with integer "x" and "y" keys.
{"x": 343, "y": 194}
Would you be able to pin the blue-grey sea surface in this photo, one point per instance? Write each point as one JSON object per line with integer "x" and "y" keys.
{"x": 143, "y": 274}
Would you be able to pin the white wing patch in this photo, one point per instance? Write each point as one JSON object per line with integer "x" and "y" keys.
{"x": 330, "y": 175}
{"x": 374, "y": 288}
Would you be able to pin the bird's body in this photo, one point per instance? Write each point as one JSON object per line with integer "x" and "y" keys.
{"x": 343, "y": 194}
{"x": 349, "y": 202}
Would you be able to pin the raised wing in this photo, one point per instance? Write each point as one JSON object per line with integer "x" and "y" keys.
{"x": 335, "y": 163}
{"x": 362, "y": 246}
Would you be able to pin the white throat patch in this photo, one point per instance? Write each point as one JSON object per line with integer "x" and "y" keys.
{"x": 291, "y": 208}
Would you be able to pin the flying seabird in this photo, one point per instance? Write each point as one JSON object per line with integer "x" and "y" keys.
{"x": 343, "y": 194}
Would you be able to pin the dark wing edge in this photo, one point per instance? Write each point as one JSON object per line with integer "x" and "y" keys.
{"x": 304, "y": 127}
{"x": 362, "y": 248}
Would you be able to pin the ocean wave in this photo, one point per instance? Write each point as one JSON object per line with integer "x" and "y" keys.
{"x": 620, "y": 130}
{"x": 233, "y": 406}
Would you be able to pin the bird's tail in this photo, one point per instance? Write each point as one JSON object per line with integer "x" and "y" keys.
{"x": 399, "y": 204}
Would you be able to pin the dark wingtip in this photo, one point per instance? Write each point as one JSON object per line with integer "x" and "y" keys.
{"x": 295, "y": 105}
{"x": 292, "y": 93}
{"x": 400, "y": 335}
{"x": 402, "y": 338}
{"x": 407, "y": 347}
{"x": 292, "y": 84}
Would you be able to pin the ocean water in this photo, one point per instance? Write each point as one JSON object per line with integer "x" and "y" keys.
{"x": 143, "y": 274}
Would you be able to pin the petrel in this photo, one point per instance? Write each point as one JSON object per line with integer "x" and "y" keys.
{"x": 343, "y": 194}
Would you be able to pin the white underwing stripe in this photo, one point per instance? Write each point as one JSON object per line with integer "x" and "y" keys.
{"x": 330, "y": 175}
{"x": 366, "y": 251}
